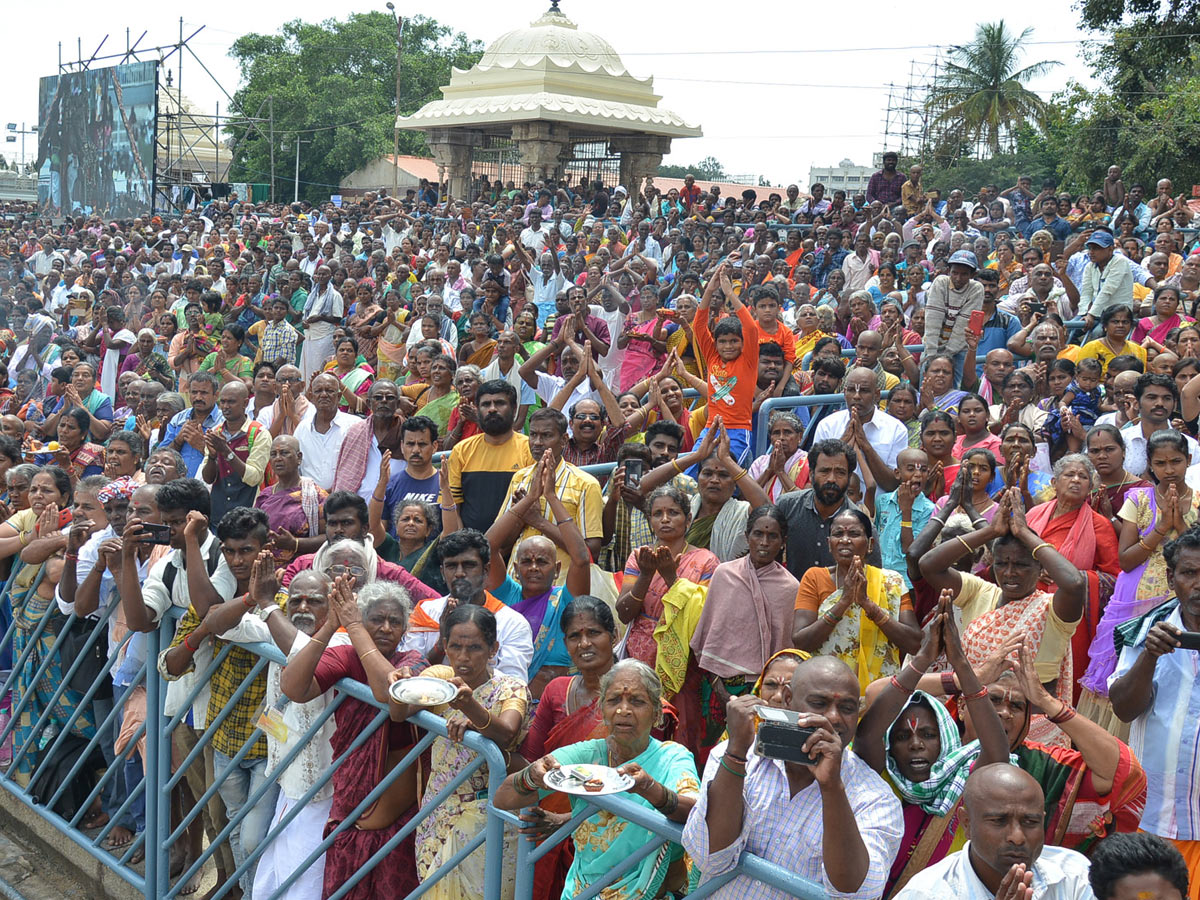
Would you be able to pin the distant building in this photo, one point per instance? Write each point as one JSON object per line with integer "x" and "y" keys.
{"x": 845, "y": 176}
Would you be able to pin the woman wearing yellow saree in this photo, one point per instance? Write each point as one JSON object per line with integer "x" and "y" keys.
{"x": 859, "y": 613}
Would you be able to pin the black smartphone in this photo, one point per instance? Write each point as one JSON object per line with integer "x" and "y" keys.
{"x": 1037, "y": 308}
{"x": 778, "y": 740}
{"x": 156, "y": 534}
{"x": 1189, "y": 640}
{"x": 634, "y": 468}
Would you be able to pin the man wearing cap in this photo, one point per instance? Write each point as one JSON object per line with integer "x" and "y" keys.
{"x": 949, "y": 302}
{"x": 1107, "y": 279}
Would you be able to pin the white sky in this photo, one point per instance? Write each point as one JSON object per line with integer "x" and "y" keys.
{"x": 767, "y": 102}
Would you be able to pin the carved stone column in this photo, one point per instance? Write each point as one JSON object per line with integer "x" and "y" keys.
{"x": 641, "y": 155}
{"x": 452, "y": 150}
{"x": 542, "y": 146}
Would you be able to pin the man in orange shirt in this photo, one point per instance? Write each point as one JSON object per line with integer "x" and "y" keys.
{"x": 731, "y": 362}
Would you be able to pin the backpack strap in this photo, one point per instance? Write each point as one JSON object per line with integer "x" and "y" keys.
{"x": 171, "y": 571}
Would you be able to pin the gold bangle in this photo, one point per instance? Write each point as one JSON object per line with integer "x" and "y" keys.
{"x": 905, "y": 524}
{"x": 675, "y": 463}
{"x": 368, "y": 653}
{"x": 740, "y": 475}
{"x": 485, "y": 724}
{"x": 633, "y": 596}
{"x": 962, "y": 541}
{"x": 1147, "y": 547}
{"x": 1034, "y": 551}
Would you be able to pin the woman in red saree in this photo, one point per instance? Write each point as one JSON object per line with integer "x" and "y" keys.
{"x": 1087, "y": 539}
{"x": 371, "y": 658}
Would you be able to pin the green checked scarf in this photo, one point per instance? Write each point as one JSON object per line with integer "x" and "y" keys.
{"x": 1133, "y": 632}
{"x": 938, "y": 794}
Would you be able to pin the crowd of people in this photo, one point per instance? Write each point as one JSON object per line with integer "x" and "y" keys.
{"x": 512, "y": 442}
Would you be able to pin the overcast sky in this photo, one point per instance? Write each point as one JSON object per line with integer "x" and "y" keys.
{"x": 791, "y": 85}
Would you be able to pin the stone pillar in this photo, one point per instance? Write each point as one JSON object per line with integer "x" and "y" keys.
{"x": 641, "y": 155}
{"x": 452, "y": 149}
{"x": 542, "y": 146}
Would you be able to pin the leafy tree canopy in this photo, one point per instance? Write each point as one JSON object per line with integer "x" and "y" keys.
{"x": 708, "y": 169}
{"x": 334, "y": 83}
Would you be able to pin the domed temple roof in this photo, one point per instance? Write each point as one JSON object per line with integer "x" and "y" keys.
{"x": 553, "y": 72}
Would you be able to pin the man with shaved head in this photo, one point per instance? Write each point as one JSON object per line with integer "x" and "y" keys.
{"x": 536, "y": 568}
{"x": 1005, "y": 857}
{"x": 833, "y": 821}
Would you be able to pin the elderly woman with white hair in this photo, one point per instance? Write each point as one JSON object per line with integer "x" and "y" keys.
{"x": 147, "y": 362}
{"x": 664, "y": 778}
{"x": 375, "y": 622}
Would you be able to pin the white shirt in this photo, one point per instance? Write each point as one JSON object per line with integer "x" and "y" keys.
{"x": 1135, "y": 449}
{"x": 610, "y": 363}
{"x": 512, "y": 634}
{"x": 887, "y": 434}
{"x": 154, "y": 595}
{"x": 788, "y": 830}
{"x": 320, "y": 451}
{"x": 1058, "y": 874}
{"x": 371, "y": 477}
{"x": 548, "y": 387}
{"x": 536, "y": 241}
{"x": 317, "y": 756}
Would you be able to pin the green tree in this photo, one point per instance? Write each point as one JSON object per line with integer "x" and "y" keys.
{"x": 1146, "y": 40}
{"x": 708, "y": 169}
{"x": 981, "y": 98}
{"x": 334, "y": 83}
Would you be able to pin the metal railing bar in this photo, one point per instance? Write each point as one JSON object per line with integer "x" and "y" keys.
{"x": 359, "y": 740}
{"x": 427, "y": 809}
{"x": 626, "y": 865}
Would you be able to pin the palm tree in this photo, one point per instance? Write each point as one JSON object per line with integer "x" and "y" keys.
{"x": 981, "y": 97}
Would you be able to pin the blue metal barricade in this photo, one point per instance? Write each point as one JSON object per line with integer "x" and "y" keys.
{"x": 666, "y": 831}
{"x": 40, "y": 684}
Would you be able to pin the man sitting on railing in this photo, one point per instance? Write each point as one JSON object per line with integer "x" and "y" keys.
{"x": 843, "y": 834}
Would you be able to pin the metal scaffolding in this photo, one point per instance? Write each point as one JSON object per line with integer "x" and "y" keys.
{"x": 906, "y": 123}
{"x": 189, "y": 149}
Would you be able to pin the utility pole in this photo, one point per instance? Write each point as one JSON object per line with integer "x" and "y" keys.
{"x": 395, "y": 127}
{"x": 296, "y": 187}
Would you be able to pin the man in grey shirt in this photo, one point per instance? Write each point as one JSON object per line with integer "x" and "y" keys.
{"x": 810, "y": 512}
{"x": 1107, "y": 279}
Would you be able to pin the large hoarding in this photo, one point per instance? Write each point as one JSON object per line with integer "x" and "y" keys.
{"x": 96, "y": 140}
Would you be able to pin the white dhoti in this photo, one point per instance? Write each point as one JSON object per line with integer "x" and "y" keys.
{"x": 291, "y": 848}
{"x": 314, "y": 354}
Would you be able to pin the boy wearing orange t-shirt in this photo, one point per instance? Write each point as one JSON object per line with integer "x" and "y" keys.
{"x": 731, "y": 363}
{"x": 770, "y": 329}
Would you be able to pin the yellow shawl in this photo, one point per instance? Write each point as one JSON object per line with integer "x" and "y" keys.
{"x": 682, "y": 605}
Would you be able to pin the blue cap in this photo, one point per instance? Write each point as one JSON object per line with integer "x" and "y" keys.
{"x": 1100, "y": 239}
{"x": 963, "y": 258}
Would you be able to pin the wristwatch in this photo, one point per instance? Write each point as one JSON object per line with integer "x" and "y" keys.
{"x": 264, "y": 612}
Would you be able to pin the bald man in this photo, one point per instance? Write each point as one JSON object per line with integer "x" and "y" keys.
{"x": 532, "y": 591}
{"x": 835, "y": 822}
{"x": 236, "y": 453}
{"x": 1006, "y": 857}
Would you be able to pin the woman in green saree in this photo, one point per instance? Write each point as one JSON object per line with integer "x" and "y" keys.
{"x": 355, "y": 376}
{"x": 440, "y": 398}
{"x": 664, "y": 776}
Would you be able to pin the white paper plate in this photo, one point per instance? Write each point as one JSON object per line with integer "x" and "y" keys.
{"x": 422, "y": 691}
{"x": 570, "y": 780}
